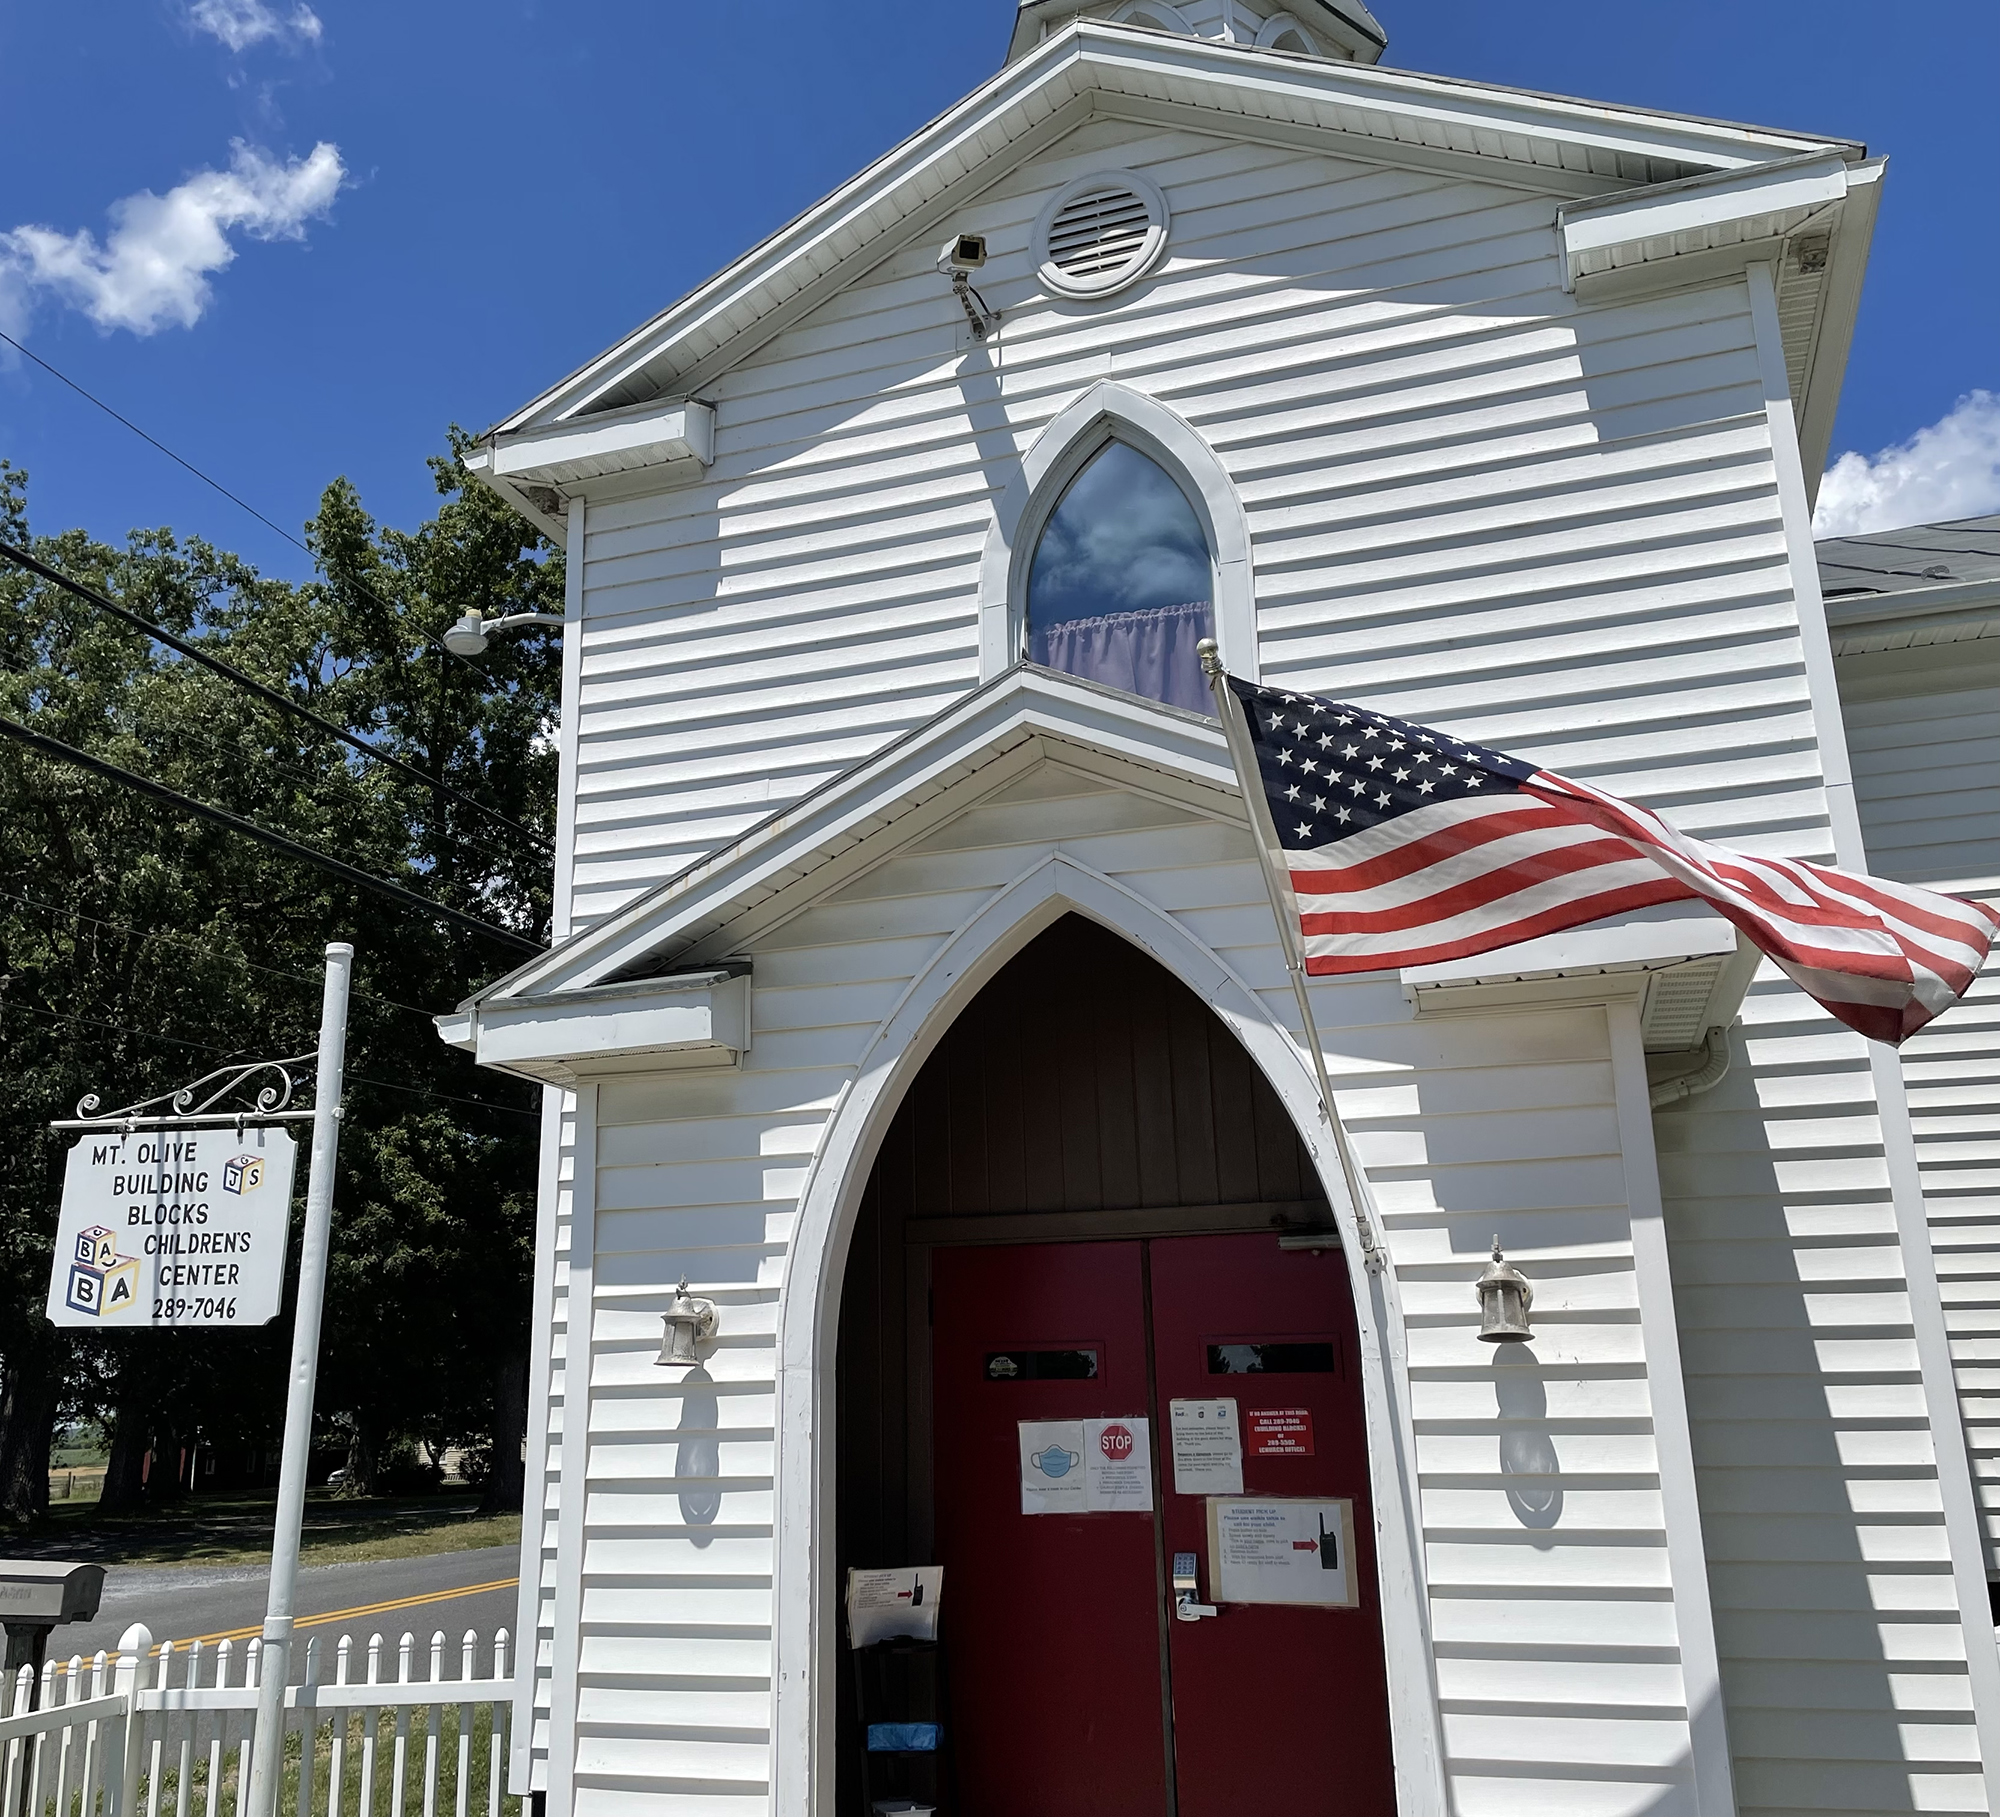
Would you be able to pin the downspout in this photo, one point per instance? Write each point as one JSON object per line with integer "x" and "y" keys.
{"x": 1705, "y": 1077}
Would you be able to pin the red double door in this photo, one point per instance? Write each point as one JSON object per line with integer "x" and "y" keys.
{"x": 1076, "y": 1689}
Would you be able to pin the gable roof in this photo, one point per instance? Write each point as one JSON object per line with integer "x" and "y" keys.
{"x": 1021, "y": 717}
{"x": 663, "y": 982}
{"x": 1092, "y": 69}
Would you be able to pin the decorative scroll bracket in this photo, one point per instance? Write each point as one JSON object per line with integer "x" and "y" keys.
{"x": 194, "y": 1106}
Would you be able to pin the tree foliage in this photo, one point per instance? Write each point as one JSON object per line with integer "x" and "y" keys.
{"x": 140, "y": 948}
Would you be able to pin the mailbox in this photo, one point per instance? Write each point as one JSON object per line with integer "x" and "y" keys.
{"x": 37, "y": 1595}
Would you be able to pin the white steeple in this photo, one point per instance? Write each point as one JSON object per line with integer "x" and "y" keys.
{"x": 1344, "y": 29}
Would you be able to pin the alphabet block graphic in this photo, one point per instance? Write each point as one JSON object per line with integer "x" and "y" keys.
{"x": 109, "y": 1285}
{"x": 100, "y": 1279}
{"x": 243, "y": 1173}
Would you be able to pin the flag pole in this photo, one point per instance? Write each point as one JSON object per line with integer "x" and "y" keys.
{"x": 1230, "y": 709}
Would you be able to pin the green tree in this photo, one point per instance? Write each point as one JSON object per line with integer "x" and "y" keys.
{"x": 139, "y": 948}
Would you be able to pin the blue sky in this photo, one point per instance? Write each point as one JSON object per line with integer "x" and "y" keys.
{"x": 430, "y": 209}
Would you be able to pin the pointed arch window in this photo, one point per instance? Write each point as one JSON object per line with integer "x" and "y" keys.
{"x": 1122, "y": 583}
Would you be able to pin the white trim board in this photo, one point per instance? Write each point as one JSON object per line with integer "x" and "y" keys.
{"x": 807, "y": 1603}
{"x": 1107, "y": 412}
{"x": 1090, "y": 67}
{"x": 1965, "y": 1537}
{"x": 573, "y": 1496}
{"x": 1673, "y": 1440}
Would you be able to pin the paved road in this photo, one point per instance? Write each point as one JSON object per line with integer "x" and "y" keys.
{"x": 449, "y": 1590}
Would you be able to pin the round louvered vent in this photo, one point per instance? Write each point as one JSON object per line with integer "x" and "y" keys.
{"x": 1100, "y": 233}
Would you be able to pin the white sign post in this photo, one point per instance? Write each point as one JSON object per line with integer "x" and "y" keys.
{"x": 267, "y": 1746}
{"x": 178, "y": 1218}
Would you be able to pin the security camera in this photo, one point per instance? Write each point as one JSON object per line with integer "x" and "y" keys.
{"x": 963, "y": 252}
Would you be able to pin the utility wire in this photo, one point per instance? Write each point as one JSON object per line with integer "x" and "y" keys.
{"x": 180, "y": 460}
{"x": 153, "y": 442}
{"x": 201, "y": 810}
{"x": 465, "y": 842}
{"x": 230, "y": 1053}
{"x": 21, "y": 558}
{"x": 210, "y": 952}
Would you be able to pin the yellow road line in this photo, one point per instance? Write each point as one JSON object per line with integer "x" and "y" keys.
{"x": 354, "y": 1614}
{"x": 318, "y": 1621}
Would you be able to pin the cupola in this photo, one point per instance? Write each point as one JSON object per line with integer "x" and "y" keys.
{"x": 1342, "y": 29}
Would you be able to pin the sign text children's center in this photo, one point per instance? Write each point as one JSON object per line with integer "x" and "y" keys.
{"x": 173, "y": 1227}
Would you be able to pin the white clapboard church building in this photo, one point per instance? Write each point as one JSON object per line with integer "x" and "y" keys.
{"x": 918, "y": 1000}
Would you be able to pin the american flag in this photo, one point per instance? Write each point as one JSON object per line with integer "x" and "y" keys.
{"x": 1406, "y": 846}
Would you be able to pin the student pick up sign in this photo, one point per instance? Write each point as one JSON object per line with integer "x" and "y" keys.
{"x": 173, "y": 1228}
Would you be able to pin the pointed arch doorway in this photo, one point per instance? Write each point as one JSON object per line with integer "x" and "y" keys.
{"x": 1089, "y": 1215}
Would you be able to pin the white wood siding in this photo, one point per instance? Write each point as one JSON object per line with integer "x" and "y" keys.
{"x": 1471, "y": 502}
{"x": 1551, "y": 1596}
{"x": 1384, "y": 360}
{"x": 1927, "y": 779}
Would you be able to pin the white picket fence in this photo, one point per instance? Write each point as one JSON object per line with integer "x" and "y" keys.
{"x": 167, "y": 1733}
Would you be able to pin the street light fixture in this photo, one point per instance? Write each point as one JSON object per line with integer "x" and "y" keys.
{"x": 467, "y": 635}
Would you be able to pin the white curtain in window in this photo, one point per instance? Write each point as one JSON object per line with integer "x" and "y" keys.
{"x": 1150, "y": 651}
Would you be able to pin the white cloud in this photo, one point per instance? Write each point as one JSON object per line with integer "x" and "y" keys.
{"x": 152, "y": 269}
{"x": 1949, "y": 470}
{"x": 241, "y": 24}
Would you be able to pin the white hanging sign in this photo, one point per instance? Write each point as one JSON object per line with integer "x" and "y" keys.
{"x": 1208, "y": 1448}
{"x": 173, "y": 1228}
{"x": 1086, "y": 1466}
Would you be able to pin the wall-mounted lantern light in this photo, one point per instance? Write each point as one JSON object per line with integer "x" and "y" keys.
{"x": 689, "y": 1322}
{"x": 1504, "y": 1298}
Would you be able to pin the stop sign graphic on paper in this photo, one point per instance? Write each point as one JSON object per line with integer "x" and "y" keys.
{"x": 1116, "y": 1442}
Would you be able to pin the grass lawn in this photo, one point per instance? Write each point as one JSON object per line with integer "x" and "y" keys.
{"x": 236, "y": 1529}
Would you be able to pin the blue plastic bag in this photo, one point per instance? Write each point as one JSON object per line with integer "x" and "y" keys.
{"x": 903, "y": 1737}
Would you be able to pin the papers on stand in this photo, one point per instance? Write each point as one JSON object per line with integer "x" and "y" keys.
{"x": 891, "y": 1605}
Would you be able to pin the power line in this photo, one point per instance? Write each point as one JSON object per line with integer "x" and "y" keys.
{"x": 468, "y": 842}
{"x": 181, "y": 460}
{"x": 153, "y": 441}
{"x": 195, "y": 946}
{"x": 21, "y": 558}
{"x": 187, "y": 804}
{"x": 228, "y": 1053}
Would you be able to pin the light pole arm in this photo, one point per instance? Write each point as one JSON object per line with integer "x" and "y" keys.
{"x": 467, "y": 635}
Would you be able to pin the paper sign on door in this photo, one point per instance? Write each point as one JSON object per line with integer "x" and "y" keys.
{"x": 1279, "y": 1431}
{"x": 1281, "y": 1550}
{"x": 1208, "y": 1453}
{"x": 1086, "y": 1466}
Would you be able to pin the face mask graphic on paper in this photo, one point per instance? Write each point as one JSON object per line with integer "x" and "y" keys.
{"x": 1055, "y": 1461}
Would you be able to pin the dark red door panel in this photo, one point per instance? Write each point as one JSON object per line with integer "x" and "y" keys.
{"x": 1278, "y": 1712}
{"x": 1051, "y": 1621}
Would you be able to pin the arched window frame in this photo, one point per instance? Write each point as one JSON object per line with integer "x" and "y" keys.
{"x": 1155, "y": 13}
{"x": 1113, "y": 412}
{"x": 1282, "y": 25}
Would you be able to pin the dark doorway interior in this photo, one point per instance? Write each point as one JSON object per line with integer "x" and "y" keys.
{"x": 1084, "y": 1095}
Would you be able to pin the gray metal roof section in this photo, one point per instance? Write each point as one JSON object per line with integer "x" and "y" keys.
{"x": 1901, "y": 561}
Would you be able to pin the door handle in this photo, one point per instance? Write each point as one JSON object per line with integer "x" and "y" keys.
{"x": 1187, "y": 1586}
